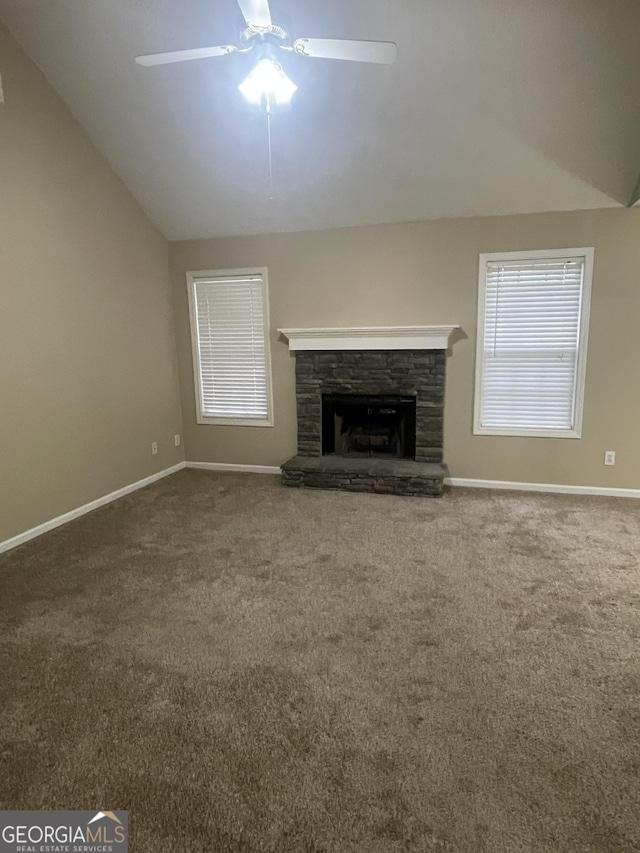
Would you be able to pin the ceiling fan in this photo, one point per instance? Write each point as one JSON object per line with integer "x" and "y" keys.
{"x": 267, "y": 84}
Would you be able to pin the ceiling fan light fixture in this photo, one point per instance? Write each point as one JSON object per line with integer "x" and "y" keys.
{"x": 268, "y": 84}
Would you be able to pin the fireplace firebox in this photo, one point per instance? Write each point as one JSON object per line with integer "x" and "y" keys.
{"x": 361, "y": 426}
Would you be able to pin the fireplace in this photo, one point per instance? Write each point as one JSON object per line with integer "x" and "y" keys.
{"x": 370, "y": 406}
{"x": 415, "y": 376}
{"x": 365, "y": 426}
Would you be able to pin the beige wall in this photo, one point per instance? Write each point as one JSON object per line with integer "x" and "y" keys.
{"x": 428, "y": 273}
{"x": 88, "y": 374}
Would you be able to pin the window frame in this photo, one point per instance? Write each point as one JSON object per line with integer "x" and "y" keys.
{"x": 193, "y": 277}
{"x": 587, "y": 253}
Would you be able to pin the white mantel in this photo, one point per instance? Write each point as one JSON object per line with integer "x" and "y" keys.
{"x": 370, "y": 337}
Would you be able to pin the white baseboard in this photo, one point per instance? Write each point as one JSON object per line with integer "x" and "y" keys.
{"x": 230, "y": 466}
{"x": 508, "y": 485}
{"x": 21, "y": 538}
{"x": 449, "y": 481}
{"x": 543, "y": 487}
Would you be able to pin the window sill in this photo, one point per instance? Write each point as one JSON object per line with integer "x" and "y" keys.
{"x": 253, "y": 422}
{"x": 528, "y": 433}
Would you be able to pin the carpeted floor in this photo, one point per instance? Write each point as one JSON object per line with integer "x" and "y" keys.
{"x": 245, "y": 667}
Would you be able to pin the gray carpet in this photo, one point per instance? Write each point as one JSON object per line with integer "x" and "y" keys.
{"x": 245, "y": 667}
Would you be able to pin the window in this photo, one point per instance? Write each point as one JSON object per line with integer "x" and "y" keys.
{"x": 229, "y": 312}
{"x": 533, "y": 316}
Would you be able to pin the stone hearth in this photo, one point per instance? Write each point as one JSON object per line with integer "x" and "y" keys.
{"x": 384, "y": 476}
{"x": 406, "y": 372}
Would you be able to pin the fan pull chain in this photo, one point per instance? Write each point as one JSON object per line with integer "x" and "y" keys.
{"x": 270, "y": 157}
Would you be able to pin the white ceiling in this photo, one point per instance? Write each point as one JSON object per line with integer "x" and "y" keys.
{"x": 492, "y": 107}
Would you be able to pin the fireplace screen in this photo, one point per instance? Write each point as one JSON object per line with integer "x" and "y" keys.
{"x": 366, "y": 425}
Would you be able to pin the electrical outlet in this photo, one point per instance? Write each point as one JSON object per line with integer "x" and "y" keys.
{"x": 609, "y": 457}
{"x": 176, "y": 439}
{"x": 154, "y": 448}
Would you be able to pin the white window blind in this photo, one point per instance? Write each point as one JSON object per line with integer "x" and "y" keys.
{"x": 532, "y": 343}
{"x": 229, "y": 327}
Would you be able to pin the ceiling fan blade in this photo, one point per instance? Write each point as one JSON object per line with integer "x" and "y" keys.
{"x": 382, "y": 52}
{"x": 256, "y": 13}
{"x": 185, "y": 55}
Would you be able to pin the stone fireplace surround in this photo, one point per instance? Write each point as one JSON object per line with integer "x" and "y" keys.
{"x": 408, "y": 361}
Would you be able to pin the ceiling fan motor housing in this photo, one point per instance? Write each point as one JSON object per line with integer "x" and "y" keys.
{"x": 277, "y": 33}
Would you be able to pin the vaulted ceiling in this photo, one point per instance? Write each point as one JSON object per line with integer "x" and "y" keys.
{"x": 492, "y": 107}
